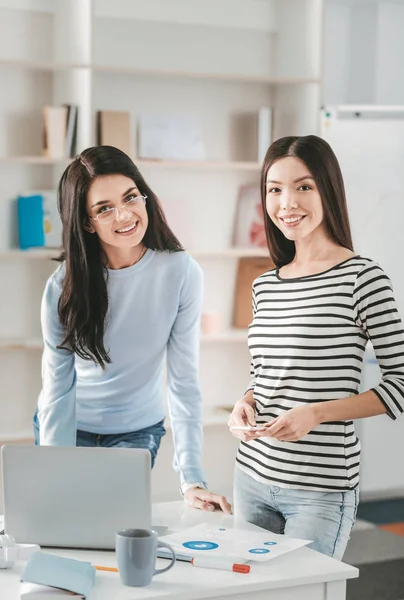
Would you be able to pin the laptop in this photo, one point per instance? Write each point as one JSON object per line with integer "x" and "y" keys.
{"x": 73, "y": 497}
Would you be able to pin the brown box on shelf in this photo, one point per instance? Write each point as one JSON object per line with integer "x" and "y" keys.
{"x": 248, "y": 270}
{"x": 113, "y": 129}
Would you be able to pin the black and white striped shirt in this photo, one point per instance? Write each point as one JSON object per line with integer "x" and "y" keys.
{"x": 307, "y": 341}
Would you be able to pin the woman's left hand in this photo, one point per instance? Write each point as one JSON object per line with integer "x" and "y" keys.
{"x": 205, "y": 500}
{"x": 292, "y": 425}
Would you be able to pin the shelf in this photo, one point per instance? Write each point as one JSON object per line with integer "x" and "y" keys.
{"x": 34, "y": 253}
{"x": 17, "y": 436}
{"x": 220, "y": 165}
{"x": 119, "y": 70}
{"x": 210, "y": 418}
{"x": 274, "y": 80}
{"x": 232, "y": 335}
{"x": 49, "y": 253}
{"x": 142, "y": 162}
{"x": 21, "y": 344}
{"x": 230, "y": 253}
{"x": 40, "y": 65}
{"x": 33, "y": 160}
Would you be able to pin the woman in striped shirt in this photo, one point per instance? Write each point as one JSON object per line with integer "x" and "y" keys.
{"x": 297, "y": 472}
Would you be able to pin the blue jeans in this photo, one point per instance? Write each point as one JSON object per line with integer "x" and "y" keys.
{"x": 326, "y": 518}
{"x": 148, "y": 438}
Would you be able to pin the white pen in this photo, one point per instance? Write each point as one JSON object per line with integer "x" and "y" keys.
{"x": 219, "y": 563}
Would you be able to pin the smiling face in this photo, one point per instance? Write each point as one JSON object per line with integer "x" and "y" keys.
{"x": 293, "y": 201}
{"x": 123, "y": 229}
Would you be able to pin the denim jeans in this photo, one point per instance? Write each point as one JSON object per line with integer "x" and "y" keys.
{"x": 326, "y": 518}
{"x": 148, "y": 438}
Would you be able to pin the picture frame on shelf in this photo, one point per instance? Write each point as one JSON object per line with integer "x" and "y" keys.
{"x": 170, "y": 137}
{"x": 249, "y": 227}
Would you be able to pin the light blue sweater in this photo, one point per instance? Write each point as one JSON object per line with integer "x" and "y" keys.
{"x": 154, "y": 313}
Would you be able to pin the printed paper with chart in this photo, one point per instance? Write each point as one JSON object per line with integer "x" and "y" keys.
{"x": 242, "y": 544}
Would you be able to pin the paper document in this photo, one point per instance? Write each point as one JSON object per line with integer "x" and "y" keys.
{"x": 236, "y": 543}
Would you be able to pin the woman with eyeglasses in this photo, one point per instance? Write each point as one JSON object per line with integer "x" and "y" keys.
{"x": 125, "y": 299}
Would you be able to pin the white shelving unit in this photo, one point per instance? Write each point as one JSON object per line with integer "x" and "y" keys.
{"x": 218, "y": 61}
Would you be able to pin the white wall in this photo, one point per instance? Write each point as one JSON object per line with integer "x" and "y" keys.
{"x": 363, "y": 49}
{"x": 390, "y": 53}
{"x": 362, "y": 53}
{"x": 336, "y": 53}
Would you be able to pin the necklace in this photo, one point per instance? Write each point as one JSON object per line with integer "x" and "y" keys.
{"x": 141, "y": 255}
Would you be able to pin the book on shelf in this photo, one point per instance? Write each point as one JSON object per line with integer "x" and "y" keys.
{"x": 50, "y": 577}
{"x": 113, "y": 129}
{"x": 71, "y": 130}
{"x": 39, "y": 224}
{"x": 265, "y": 121}
{"x": 60, "y": 131}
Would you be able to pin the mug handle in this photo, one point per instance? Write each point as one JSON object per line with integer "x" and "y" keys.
{"x": 172, "y": 563}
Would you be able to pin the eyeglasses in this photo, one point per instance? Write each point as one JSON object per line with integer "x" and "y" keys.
{"x": 107, "y": 215}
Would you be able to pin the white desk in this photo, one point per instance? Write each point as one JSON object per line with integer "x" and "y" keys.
{"x": 299, "y": 575}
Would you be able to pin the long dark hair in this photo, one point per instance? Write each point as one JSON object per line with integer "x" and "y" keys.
{"x": 83, "y": 303}
{"x": 322, "y": 163}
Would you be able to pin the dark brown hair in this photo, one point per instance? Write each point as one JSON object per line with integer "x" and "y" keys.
{"x": 322, "y": 163}
{"x": 83, "y": 303}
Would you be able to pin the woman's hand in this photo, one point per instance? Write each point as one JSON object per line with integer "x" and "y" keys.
{"x": 243, "y": 415}
{"x": 205, "y": 500}
{"x": 293, "y": 425}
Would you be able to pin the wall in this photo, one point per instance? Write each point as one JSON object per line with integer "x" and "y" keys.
{"x": 390, "y": 52}
{"x": 363, "y": 49}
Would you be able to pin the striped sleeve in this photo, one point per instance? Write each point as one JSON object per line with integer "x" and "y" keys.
{"x": 251, "y": 385}
{"x": 376, "y": 313}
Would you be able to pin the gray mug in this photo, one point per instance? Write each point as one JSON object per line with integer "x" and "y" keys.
{"x": 136, "y": 551}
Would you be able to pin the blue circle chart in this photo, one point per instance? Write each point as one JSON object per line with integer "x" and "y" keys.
{"x": 200, "y": 545}
{"x": 259, "y": 551}
{"x": 270, "y": 543}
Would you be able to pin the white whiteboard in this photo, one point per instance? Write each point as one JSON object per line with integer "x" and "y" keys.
{"x": 370, "y": 150}
{"x": 369, "y": 144}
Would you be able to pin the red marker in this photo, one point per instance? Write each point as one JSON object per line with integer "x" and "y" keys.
{"x": 219, "y": 563}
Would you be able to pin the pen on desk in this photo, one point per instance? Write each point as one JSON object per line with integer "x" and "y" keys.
{"x": 217, "y": 563}
{"x": 101, "y": 568}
